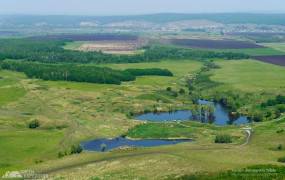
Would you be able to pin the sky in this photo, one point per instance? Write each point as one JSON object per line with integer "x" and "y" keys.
{"x": 128, "y": 7}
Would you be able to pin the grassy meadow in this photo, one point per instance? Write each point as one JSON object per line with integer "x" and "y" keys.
{"x": 74, "y": 45}
{"x": 277, "y": 46}
{"x": 186, "y": 158}
{"x": 266, "y": 51}
{"x": 251, "y": 76}
{"x": 70, "y": 112}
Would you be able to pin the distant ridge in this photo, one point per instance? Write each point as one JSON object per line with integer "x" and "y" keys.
{"x": 225, "y": 18}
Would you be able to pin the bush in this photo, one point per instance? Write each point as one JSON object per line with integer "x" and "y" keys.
{"x": 257, "y": 117}
{"x": 280, "y": 131}
{"x": 34, "y": 124}
{"x": 181, "y": 91}
{"x": 76, "y": 149}
{"x": 168, "y": 89}
{"x": 282, "y": 160}
{"x": 279, "y": 147}
{"x": 103, "y": 147}
{"x": 223, "y": 139}
{"x": 60, "y": 154}
{"x": 173, "y": 94}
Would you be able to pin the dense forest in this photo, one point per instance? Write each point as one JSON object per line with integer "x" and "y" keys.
{"x": 151, "y": 71}
{"x": 79, "y": 73}
{"x": 51, "y": 51}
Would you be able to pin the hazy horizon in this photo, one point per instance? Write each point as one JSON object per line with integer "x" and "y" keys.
{"x": 130, "y": 7}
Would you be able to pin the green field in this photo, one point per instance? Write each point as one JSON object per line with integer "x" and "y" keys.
{"x": 277, "y": 46}
{"x": 186, "y": 130}
{"x": 267, "y": 51}
{"x": 21, "y": 148}
{"x": 180, "y": 68}
{"x": 74, "y": 45}
{"x": 10, "y": 88}
{"x": 251, "y": 76}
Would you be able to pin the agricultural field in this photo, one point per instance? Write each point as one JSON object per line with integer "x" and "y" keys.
{"x": 265, "y": 51}
{"x": 214, "y": 44}
{"x": 217, "y": 44}
{"x": 89, "y": 37}
{"x": 278, "y": 60}
{"x": 261, "y": 37}
{"x": 107, "y": 43}
{"x": 110, "y": 47}
{"x": 277, "y": 46}
{"x": 251, "y": 76}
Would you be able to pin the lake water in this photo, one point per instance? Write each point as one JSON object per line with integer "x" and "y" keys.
{"x": 220, "y": 116}
{"x": 109, "y": 144}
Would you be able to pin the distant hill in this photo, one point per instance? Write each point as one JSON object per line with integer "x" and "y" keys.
{"x": 74, "y": 21}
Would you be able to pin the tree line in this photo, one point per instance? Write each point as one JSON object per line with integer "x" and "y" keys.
{"x": 79, "y": 73}
{"x": 52, "y": 51}
{"x": 151, "y": 71}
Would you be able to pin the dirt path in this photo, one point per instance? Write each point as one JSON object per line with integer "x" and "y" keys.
{"x": 120, "y": 156}
{"x": 248, "y": 132}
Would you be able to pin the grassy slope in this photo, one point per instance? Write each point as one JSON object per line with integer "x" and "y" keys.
{"x": 83, "y": 110}
{"x": 91, "y": 110}
{"x": 10, "y": 89}
{"x": 179, "y": 68}
{"x": 248, "y": 76}
{"x": 74, "y": 45}
{"x": 192, "y": 130}
{"x": 251, "y": 76}
{"x": 184, "y": 158}
{"x": 20, "y": 148}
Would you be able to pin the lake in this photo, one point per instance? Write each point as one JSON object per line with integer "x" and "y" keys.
{"x": 109, "y": 144}
{"x": 219, "y": 116}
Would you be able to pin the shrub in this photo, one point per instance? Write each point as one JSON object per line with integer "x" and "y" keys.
{"x": 280, "y": 131}
{"x": 173, "y": 94}
{"x": 223, "y": 138}
{"x": 181, "y": 91}
{"x": 60, "y": 154}
{"x": 282, "y": 160}
{"x": 146, "y": 110}
{"x": 76, "y": 149}
{"x": 103, "y": 147}
{"x": 38, "y": 161}
{"x": 168, "y": 89}
{"x": 34, "y": 124}
{"x": 257, "y": 117}
{"x": 279, "y": 147}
